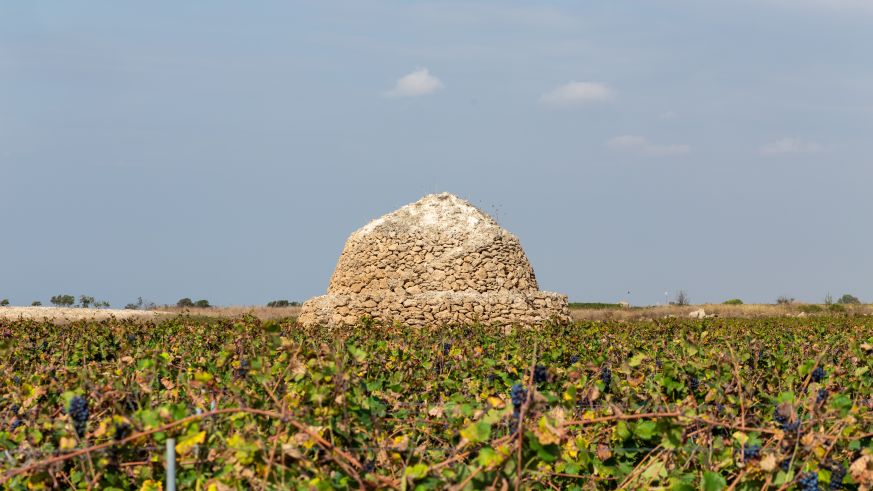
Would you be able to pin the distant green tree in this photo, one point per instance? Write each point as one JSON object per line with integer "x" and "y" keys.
{"x": 36, "y": 303}
{"x": 682, "y": 298}
{"x": 785, "y": 300}
{"x": 63, "y": 300}
{"x": 4, "y": 302}
{"x": 733, "y": 301}
{"x": 848, "y": 299}
{"x": 202, "y": 304}
{"x": 278, "y": 303}
{"x": 185, "y": 302}
{"x": 86, "y": 301}
{"x": 829, "y": 299}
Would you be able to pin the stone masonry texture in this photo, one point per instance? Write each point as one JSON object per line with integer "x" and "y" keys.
{"x": 439, "y": 260}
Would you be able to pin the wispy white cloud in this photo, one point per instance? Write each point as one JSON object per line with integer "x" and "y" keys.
{"x": 626, "y": 142}
{"x": 417, "y": 83}
{"x": 790, "y": 145}
{"x": 575, "y": 93}
{"x": 642, "y": 146}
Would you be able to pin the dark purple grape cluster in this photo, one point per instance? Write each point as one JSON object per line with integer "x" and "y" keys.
{"x": 838, "y": 473}
{"x": 574, "y": 359}
{"x": 122, "y": 431}
{"x": 518, "y": 396}
{"x": 78, "y": 412}
{"x": 785, "y": 465}
{"x": 784, "y": 423}
{"x": 694, "y": 383}
{"x": 808, "y": 482}
{"x": 14, "y": 408}
{"x": 606, "y": 378}
{"x": 446, "y": 348}
{"x": 243, "y": 369}
{"x": 541, "y": 374}
{"x": 369, "y": 466}
{"x": 822, "y": 396}
{"x": 658, "y": 363}
{"x": 15, "y": 424}
{"x": 818, "y": 374}
{"x": 751, "y": 452}
{"x": 513, "y": 423}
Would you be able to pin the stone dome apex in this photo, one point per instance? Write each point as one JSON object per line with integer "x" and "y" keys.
{"x": 439, "y": 243}
{"x": 438, "y": 260}
{"x": 435, "y": 214}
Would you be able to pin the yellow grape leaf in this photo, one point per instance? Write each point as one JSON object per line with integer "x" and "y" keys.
{"x": 496, "y": 402}
{"x": 186, "y": 444}
{"x": 149, "y": 485}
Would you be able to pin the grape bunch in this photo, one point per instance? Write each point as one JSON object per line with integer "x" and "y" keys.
{"x": 446, "y": 348}
{"x": 606, "y": 378}
{"x": 243, "y": 369}
{"x": 818, "y": 374}
{"x": 574, "y": 359}
{"x": 694, "y": 383}
{"x": 751, "y": 452}
{"x": 122, "y": 431}
{"x": 78, "y": 412}
{"x": 518, "y": 396}
{"x": 822, "y": 396}
{"x": 540, "y": 374}
{"x": 783, "y": 421}
{"x": 838, "y": 473}
{"x": 15, "y": 424}
{"x": 808, "y": 482}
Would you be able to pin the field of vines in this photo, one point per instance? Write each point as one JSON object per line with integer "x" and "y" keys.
{"x": 782, "y": 403}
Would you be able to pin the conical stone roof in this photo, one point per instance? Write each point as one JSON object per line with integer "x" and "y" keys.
{"x": 438, "y": 260}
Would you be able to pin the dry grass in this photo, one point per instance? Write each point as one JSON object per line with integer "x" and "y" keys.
{"x": 719, "y": 310}
{"x": 259, "y": 311}
{"x": 65, "y": 315}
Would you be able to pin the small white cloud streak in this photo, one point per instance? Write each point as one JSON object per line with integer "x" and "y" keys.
{"x": 417, "y": 83}
{"x": 642, "y": 146}
{"x": 627, "y": 142}
{"x": 790, "y": 145}
{"x": 574, "y": 93}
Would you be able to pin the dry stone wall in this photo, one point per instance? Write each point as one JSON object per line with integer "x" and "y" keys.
{"x": 438, "y": 308}
{"x": 437, "y": 261}
{"x": 409, "y": 263}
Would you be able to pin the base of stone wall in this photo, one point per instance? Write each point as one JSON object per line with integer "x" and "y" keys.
{"x": 440, "y": 308}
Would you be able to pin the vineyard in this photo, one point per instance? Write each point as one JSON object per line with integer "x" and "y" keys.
{"x": 781, "y": 403}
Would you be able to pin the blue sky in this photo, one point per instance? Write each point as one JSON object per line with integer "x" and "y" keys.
{"x": 225, "y": 151}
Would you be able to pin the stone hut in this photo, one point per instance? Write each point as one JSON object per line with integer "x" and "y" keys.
{"x": 439, "y": 260}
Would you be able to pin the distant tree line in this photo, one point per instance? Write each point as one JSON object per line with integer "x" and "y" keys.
{"x": 188, "y": 303}
{"x": 85, "y": 301}
{"x": 282, "y": 303}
